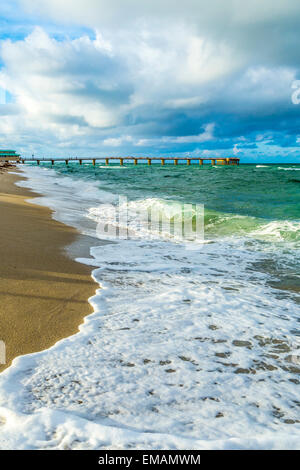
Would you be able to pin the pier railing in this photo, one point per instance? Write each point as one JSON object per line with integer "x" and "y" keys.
{"x": 135, "y": 160}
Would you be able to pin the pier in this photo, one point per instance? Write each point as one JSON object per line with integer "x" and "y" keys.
{"x": 135, "y": 160}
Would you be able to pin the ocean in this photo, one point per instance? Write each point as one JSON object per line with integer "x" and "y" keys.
{"x": 195, "y": 342}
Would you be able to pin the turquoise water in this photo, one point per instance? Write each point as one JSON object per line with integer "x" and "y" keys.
{"x": 257, "y": 193}
{"x": 271, "y": 192}
{"x": 258, "y": 203}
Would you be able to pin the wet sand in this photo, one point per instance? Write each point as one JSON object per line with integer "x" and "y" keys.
{"x": 43, "y": 292}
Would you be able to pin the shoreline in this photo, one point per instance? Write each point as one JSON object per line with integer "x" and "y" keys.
{"x": 44, "y": 292}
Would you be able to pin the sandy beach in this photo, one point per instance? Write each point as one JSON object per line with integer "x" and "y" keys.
{"x": 43, "y": 291}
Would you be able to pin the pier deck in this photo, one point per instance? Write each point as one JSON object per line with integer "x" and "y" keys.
{"x": 135, "y": 160}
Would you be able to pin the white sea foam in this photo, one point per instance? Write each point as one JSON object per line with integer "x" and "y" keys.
{"x": 288, "y": 168}
{"x": 150, "y": 218}
{"x": 184, "y": 350}
{"x": 278, "y": 231}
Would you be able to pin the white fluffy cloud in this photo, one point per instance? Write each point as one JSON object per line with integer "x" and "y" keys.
{"x": 57, "y": 81}
{"x": 88, "y": 86}
{"x": 202, "y": 11}
{"x": 254, "y": 29}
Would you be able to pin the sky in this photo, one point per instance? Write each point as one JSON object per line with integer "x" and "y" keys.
{"x": 151, "y": 78}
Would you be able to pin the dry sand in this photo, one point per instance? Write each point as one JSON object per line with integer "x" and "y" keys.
{"x": 43, "y": 292}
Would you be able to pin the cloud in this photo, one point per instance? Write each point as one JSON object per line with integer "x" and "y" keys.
{"x": 267, "y": 29}
{"x": 153, "y": 76}
{"x": 118, "y": 141}
{"x": 162, "y": 141}
{"x": 203, "y": 137}
{"x": 87, "y": 85}
{"x": 69, "y": 87}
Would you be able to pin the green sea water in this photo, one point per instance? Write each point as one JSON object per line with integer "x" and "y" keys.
{"x": 235, "y": 198}
{"x": 257, "y": 203}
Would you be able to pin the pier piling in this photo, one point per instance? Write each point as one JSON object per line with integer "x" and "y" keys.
{"x": 135, "y": 160}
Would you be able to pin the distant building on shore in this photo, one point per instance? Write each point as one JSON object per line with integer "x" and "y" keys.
{"x": 9, "y": 155}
